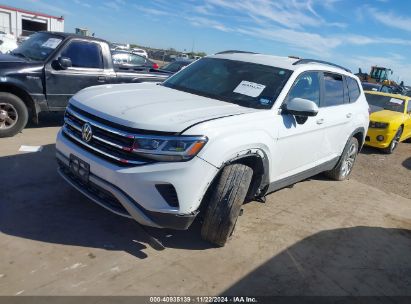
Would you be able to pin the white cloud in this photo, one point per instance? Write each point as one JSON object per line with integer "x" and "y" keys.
{"x": 392, "y": 20}
{"x": 289, "y": 14}
{"x": 114, "y": 4}
{"x": 206, "y": 22}
{"x": 48, "y": 7}
{"x": 152, "y": 11}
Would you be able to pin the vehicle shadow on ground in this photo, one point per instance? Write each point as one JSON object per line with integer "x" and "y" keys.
{"x": 47, "y": 119}
{"x": 37, "y": 204}
{"x": 407, "y": 163}
{"x": 370, "y": 150}
{"x": 354, "y": 261}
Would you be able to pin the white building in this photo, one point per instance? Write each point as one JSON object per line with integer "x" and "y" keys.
{"x": 20, "y": 22}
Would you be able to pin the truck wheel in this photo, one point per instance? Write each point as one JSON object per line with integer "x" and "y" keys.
{"x": 224, "y": 204}
{"x": 344, "y": 166}
{"x": 13, "y": 115}
{"x": 394, "y": 143}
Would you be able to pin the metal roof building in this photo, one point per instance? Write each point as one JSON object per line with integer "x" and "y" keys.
{"x": 20, "y": 22}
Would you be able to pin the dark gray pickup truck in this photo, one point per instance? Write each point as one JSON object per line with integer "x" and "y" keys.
{"x": 49, "y": 68}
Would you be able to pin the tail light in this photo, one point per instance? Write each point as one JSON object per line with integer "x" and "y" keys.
{"x": 155, "y": 66}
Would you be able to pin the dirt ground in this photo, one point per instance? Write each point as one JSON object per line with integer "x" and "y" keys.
{"x": 318, "y": 238}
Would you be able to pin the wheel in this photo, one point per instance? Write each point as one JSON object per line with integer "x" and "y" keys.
{"x": 13, "y": 115}
{"x": 344, "y": 166}
{"x": 224, "y": 203}
{"x": 394, "y": 143}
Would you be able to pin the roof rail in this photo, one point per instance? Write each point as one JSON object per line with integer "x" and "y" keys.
{"x": 305, "y": 61}
{"x": 234, "y": 51}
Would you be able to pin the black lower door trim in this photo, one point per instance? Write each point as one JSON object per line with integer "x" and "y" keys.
{"x": 282, "y": 183}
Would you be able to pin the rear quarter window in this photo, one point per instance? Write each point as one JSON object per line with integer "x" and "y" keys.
{"x": 333, "y": 90}
{"x": 353, "y": 89}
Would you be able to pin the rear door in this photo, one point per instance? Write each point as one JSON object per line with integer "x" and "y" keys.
{"x": 335, "y": 115}
{"x": 87, "y": 70}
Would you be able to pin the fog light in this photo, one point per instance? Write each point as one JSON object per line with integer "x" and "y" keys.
{"x": 380, "y": 138}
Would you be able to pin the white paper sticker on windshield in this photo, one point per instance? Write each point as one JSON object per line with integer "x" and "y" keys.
{"x": 248, "y": 88}
{"x": 396, "y": 101}
{"x": 51, "y": 43}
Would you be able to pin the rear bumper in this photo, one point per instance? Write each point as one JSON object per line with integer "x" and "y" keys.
{"x": 117, "y": 201}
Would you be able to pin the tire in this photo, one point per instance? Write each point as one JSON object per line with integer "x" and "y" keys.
{"x": 344, "y": 166}
{"x": 394, "y": 143}
{"x": 224, "y": 203}
{"x": 13, "y": 115}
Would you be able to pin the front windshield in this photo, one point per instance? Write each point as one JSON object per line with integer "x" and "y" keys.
{"x": 38, "y": 47}
{"x": 243, "y": 83}
{"x": 380, "y": 102}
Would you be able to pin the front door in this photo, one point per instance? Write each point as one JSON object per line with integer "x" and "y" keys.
{"x": 87, "y": 70}
{"x": 298, "y": 145}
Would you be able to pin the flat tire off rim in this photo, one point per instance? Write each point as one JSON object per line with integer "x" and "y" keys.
{"x": 8, "y": 116}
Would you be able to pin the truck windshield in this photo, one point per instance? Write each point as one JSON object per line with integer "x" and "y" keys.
{"x": 381, "y": 102}
{"x": 38, "y": 47}
{"x": 243, "y": 83}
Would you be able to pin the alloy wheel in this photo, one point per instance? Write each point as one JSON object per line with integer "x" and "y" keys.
{"x": 8, "y": 116}
{"x": 349, "y": 160}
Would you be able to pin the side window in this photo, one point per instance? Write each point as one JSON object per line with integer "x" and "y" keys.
{"x": 333, "y": 90}
{"x": 353, "y": 89}
{"x": 409, "y": 107}
{"x": 84, "y": 54}
{"x": 306, "y": 86}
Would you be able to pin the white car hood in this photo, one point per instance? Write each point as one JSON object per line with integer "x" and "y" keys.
{"x": 153, "y": 107}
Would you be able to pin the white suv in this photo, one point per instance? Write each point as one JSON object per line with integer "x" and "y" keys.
{"x": 230, "y": 127}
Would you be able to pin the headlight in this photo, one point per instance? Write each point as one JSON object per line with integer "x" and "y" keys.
{"x": 168, "y": 148}
{"x": 378, "y": 125}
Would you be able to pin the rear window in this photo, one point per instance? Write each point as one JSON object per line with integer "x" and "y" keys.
{"x": 353, "y": 89}
{"x": 334, "y": 90}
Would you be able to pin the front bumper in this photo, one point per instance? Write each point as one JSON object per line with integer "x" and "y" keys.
{"x": 132, "y": 192}
{"x": 373, "y": 133}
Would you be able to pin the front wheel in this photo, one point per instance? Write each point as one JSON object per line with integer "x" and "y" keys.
{"x": 13, "y": 115}
{"x": 344, "y": 167}
{"x": 224, "y": 204}
{"x": 394, "y": 143}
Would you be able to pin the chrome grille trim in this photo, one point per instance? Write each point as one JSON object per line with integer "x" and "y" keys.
{"x": 76, "y": 126}
{"x": 121, "y": 160}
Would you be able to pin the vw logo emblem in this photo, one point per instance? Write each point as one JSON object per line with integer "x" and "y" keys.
{"x": 87, "y": 132}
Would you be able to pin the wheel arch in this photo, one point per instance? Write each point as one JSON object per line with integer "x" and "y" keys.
{"x": 23, "y": 95}
{"x": 359, "y": 134}
{"x": 255, "y": 159}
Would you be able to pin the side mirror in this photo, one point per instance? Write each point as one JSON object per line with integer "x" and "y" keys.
{"x": 300, "y": 107}
{"x": 63, "y": 63}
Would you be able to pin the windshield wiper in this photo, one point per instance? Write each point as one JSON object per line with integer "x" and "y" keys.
{"x": 20, "y": 55}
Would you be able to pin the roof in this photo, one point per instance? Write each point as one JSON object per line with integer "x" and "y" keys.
{"x": 30, "y": 12}
{"x": 388, "y": 95}
{"x": 289, "y": 63}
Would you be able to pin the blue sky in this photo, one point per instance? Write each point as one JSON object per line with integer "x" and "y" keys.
{"x": 348, "y": 32}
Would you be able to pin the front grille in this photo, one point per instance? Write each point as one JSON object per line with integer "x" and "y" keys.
{"x": 107, "y": 142}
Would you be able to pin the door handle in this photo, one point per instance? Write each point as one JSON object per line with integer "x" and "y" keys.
{"x": 320, "y": 121}
{"x": 101, "y": 79}
{"x": 349, "y": 115}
